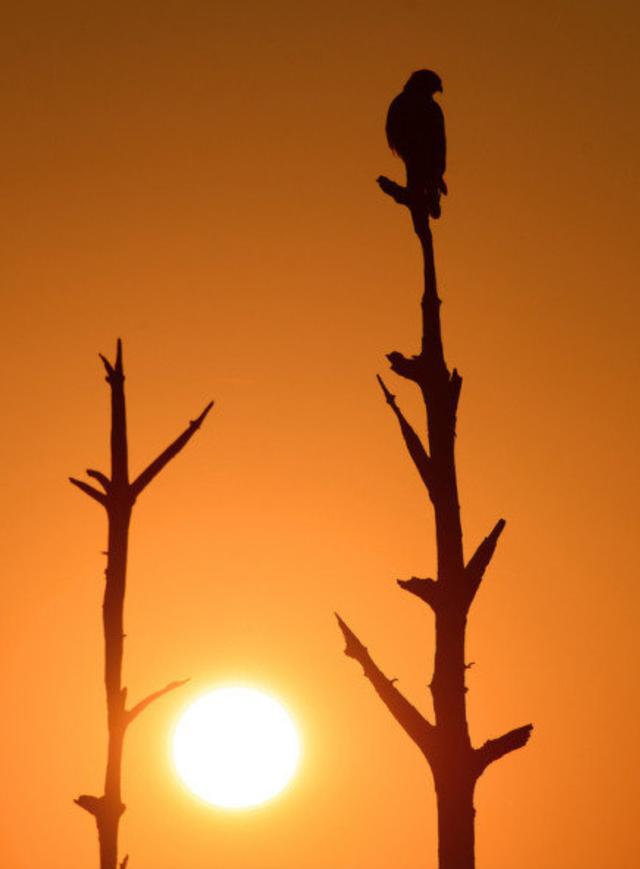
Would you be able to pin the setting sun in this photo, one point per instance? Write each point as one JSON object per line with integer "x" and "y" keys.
{"x": 236, "y": 747}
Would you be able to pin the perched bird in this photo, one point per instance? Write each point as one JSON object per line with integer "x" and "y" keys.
{"x": 415, "y": 132}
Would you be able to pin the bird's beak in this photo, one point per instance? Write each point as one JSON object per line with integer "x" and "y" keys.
{"x": 439, "y": 89}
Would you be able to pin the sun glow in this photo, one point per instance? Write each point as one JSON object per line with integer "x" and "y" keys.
{"x": 236, "y": 747}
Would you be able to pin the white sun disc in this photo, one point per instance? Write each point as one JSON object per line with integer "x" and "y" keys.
{"x": 236, "y": 747}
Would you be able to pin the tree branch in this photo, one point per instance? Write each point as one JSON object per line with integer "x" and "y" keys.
{"x": 171, "y": 451}
{"x": 425, "y": 589}
{"x": 412, "y": 368}
{"x": 130, "y": 714}
{"x": 414, "y": 445}
{"x": 415, "y": 203}
{"x": 494, "y": 749}
{"x": 108, "y": 367}
{"x": 397, "y": 192}
{"x": 90, "y": 804}
{"x": 456, "y": 386}
{"x": 114, "y": 372}
{"x": 480, "y": 559}
{"x": 100, "y": 477}
{"x": 118, "y": 438}
{"x": 407, "y": 716}
{"x": 125, "y": 862}
{"x": 90, "y": 491}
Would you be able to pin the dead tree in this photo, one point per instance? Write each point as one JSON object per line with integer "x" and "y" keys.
{"x": 455, "y": 764}
{"x": 118, "y": 495}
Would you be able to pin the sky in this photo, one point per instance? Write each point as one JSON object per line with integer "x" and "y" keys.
{"x": 198, "y": 178}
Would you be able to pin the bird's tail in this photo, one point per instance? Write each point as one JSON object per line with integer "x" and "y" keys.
{"x": 433, "y": 197}
{"x": 433, "y": 202}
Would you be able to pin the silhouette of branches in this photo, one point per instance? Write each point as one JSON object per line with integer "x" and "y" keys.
{"x": 446, "y": 743}
{"x": 118, "y": 496}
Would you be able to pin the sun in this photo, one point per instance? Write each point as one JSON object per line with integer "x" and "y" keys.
{"x": 236, "y": 747}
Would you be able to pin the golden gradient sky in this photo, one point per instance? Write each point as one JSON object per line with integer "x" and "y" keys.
{"x": 198, "y": 177}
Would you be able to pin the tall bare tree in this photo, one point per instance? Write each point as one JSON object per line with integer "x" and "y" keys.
{"x": 118, "y": 495}
{"x": 455, "y": 764}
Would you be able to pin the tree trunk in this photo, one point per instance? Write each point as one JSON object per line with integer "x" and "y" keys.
{"x": 455, "y": 821}
{"x": 119, "y": 513}
{"x": 446, "y": 744}
{"x": 118, "y": 497}
{"x": 448, "y": 683}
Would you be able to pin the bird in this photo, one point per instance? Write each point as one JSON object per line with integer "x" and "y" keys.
{"x": 415, "y": 132}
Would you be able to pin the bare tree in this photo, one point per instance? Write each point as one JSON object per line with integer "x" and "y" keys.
{"x": 118, "y": 495}
{"x": 455, "y": 764}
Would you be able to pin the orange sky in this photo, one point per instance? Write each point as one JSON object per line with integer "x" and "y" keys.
{"x": 198, "y": 177}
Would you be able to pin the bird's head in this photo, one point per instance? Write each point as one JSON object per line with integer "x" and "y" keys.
{"x": 424, "y": 81}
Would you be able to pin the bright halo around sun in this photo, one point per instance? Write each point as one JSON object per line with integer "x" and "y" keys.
{"x": 236, "y": 747}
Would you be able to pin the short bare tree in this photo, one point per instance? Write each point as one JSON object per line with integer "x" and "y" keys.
{"x": 118, "y": 495}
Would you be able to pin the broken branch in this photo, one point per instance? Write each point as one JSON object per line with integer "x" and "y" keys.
{"x": 89, "y": 804}
{"x": 456, "y": 385}
{"x": 411, "y": 368}
{"x": 493, "y": 749}
{"x": 425, "y": 589}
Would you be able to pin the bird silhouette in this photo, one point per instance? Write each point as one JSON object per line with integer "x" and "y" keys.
{"x": 415, "y": 132}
